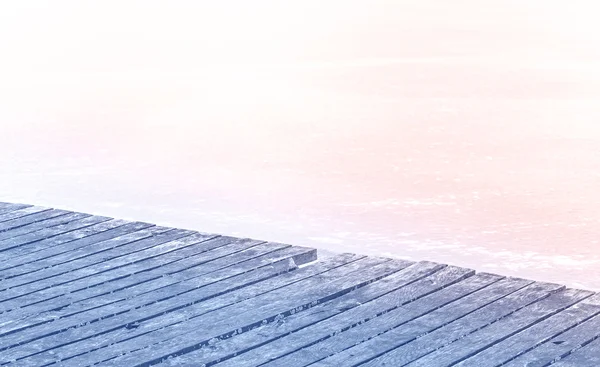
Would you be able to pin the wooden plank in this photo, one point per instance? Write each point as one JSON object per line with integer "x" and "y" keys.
{"x": 88, "y": 235}
{"x": 77, "y": 243}
{"x": 14, "y": 214}
{"x": 170, "y": 267}
{"x": 412, "y": 321}
{"x": 125, "y": 248}
{"x": 320, "y": 332}
{"x": 63, "y": 219}
{"x": 81, "y": 290}
{"x": 275, "y": 262}
{"x": 281, "y": 262}
{"x": 559, "y": 346}
{"x": 153, "y": 290}
{"x": 154, "y": 235}
{"x": 196, "y": 332}
{"x": 9, "y": 207}
{"x": 393, "y": 319}
{"x": 400, "y": 288}
{"x": 586, "y": 356}
{"x": 71, "y": 255}
{"x": 14, "y": 296}
{"x": 48, "y": 237}
{"x": 438, "y": 328}
{"x": 512, "y": 324}
{"x": 29, "y": 219}
{"x": 536, "y": 335}
{"x": 203, "y": 301}
{"x": 49, "y": 348}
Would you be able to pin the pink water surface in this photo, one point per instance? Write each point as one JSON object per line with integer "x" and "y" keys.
{"x": 464, "y": 132}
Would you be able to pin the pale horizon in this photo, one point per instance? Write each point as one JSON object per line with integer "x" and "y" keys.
{"x": 464, "y": 133}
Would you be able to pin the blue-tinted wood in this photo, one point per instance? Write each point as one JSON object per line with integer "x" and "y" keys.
{"x": 586, "y": 356}
{"x": 411, "y": 313}
{"x": 9, "y": 207}
{"x": 321, "y": 332}
{"x": 502, "y": 329}
{"x": 13, "y": 248}
{"x": 73, "y": 255}
{"x": 79, "y": 290}
{"x": 402, "y": 345}
{"x": 198, "y": 331}
{"x": 536, "y": 335}
{"x": 32, "y": 227}
{"x": 559, "y": 346}
{"x": 20, "y": 213}
{"x": 201, "y": 301}
{"x": 30, "y": 219}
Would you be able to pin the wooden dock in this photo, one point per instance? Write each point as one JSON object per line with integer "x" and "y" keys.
{"x": 83, "y": 290}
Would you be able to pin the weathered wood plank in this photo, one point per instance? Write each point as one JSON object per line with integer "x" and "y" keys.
{"x": 128, "y": 280}
{"x": 19, "y": 213}
{"x": 397, "y": 289}
{"x": 71, "y": 256}
{"x": 14, "y": 296}
{"x": 162, "y": 287}
{"x": 12, "y": 248}
{"x": 180, "y": 309}
{"x": 436, "y": 329}
{"x": 154, "y": 236}
{"x": 29, "y": 219}
{"x": 559, "y": 346}
{"x": 78, "y": 290}
{"x": 63, "y": 219}
{"x": 9, "y": 207}
{"x": 320, "y": 332}
{"x": 262, "y": 309}
{"x": 502, "y": 329}
{"x": 586, "y": 356}
{"x": 407, "y": 314}
{"x": 281, "y": 263}
{"x": 274, "y": 292}
{"x": 128, "y": 248}
{"x": 414, "y": 320}
{"x": 82, "y": 237}
{"x": 88, "y": 236}
{"x": 265, "y": 266}
{"x": 228, "y": 348}
{"x": 535, "y": 335}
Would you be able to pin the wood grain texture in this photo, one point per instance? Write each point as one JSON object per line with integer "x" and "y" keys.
{"x": 47, "y": 223}
{"x": 404, "y": 315}
{"x": 559, "y": 346}
{"x": 197, "y": 331}
{"x": 30, "y": 219}
{"x": 586, "y": 356}
{"x": 177, "y": 310}
{"x": 82, "y": 290}
{"x": 9, "y": 207}
{"x": 21, "y": 213}
{"x": 12, "y": 249}
{"x": 146, "y": 276}
{"x": 501, "y": 329}
{"x": 535, "y": 335}
{"x": 400, "y": 346}
{"x": 362, "y": 313}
